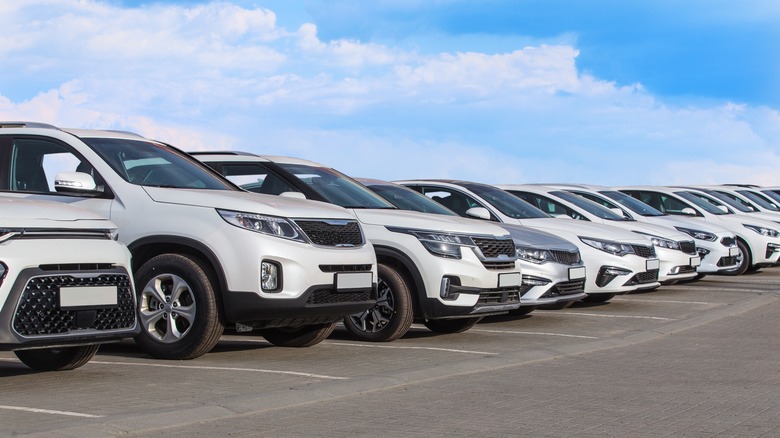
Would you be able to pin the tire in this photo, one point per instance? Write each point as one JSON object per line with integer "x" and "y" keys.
{"x": 393, "y": 314}
{"x": 298, "y": 336}
{"x": 597, "y": 298}
{"x": 522, "y": 311}
{"x": 743, "y": 260}
{"x": 177, "y": 324}
{"x": 57, "y": 359}
{"x": 451, "y": 325}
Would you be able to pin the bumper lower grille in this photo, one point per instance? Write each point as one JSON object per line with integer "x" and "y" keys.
{"x": 643, "y": 277}
{"x": 345, "y": 268}
{"x": 329, "y": 296}
{"x": 499, "y": 296}
{"x": 566, "y": 288}
{"x": 727, "y": 261}
{"x": 38, "y": 311}
{"x": 332, "y": 233}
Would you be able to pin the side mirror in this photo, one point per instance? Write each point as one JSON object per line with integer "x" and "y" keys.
{"x": 620, "y": 211}
{"x": 478, "y": 213}
{"x": 75, "y": 182}
{"x": 688, "y": 211}
{"x": 296, "y": 195}
{"x": 562, "y": 216}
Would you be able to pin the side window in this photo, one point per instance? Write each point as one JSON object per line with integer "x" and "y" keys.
{"x": 549, "y": 206}
{"x": 36, "y": 162}
{"x": 452, "y": 199}
{"x": 256, "y": 178}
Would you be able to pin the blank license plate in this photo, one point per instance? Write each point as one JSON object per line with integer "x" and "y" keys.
{"x": 695, "y": 261}
{"x": 733, "y": 252}
{"x": 577, "y": 273}
{"x": 354, "y": 280}
{"x": 653, "y": 264}
{"x": 93, "y": 296}
{"x": 510, "y": 280}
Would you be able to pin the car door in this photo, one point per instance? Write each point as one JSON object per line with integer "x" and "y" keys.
{"x": 29, "y": 165}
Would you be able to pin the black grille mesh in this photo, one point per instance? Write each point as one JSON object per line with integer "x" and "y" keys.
{"x": 727, "y": 261}
{"x": 332, "y": 233}
{"x": 688, "y": 247}
{"x": 329, "y": 296}
{"x": 728, "y": 241}
{"x": 643, "y": 277}
{"x": 492, "y": 248}
{"x": 39, "y": 313}
{"x": 567, "y": 288}
{"x": 644, "y": 251}
{"x": 498, "y": 296}
{"x": 566, "y": 257}
{"x": 345, "y": 268}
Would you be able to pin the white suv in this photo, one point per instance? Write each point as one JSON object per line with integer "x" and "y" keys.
{"x": 65, "y": 284}
{"x": 444, "y": 272}
{"x": 205, "y": 253}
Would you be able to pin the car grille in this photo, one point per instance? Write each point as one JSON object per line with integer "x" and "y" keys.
{"x": 493, "y": 248}
{"x": 332, "y": 233}
{"x": 727, "y": 261}
{"x": 688, "y": 246}
{"x": 498, "y": 266}
{"x": 643, "y": 277}
{"x": 728, "y": 241}
{"x": 644, "y": 251}
{"x": 567, "y": 257}
{"x": 330, "y": 296}
{"x": 38, "y": 311}
{"x": 566, "y": 288}
{"x": 499, "y": 296}
{"x": 345, "y": 268}
{"x": 686, "y": 269}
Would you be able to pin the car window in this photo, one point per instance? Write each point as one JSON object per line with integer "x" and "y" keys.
{"x": 759, "y": 199}
{"x": 453, "y": 199}
{"x": 662, "y": 202}
{"x": 706, "y": 203}
{"x": 548, "y": 205}
{"x": 35, "y": 162}
{"x": 407, "y": 199}
{"x": 256, "y": 177}
{"x": 632, "y": 203}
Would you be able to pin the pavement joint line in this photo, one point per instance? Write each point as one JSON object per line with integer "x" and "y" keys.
{"x": 49, "y": 411}
{"x": 402, "y": 347}
{"x": 639, "y": 300}
{"x": 210, "y": 368}
{"x": 601, "y": 315}
{"x": 733, "y": 289}
{"x": 516, "y": 332}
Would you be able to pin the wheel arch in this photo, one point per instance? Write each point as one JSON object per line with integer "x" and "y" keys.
{"x": 146, "y": 248}
{"x": 404, "y": 265}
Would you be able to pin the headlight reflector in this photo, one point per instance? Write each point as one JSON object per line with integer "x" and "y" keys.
{"x": 534, "y": 255}
{"x": 769, "y": 232}
{"x": 271, "y": 225}
{"x": 698, "y": 234}
{"x": 609, "y": 246}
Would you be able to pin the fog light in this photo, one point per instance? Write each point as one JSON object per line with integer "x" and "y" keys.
{"x": 444, "y": 289}
{"x": 608, "y": 273}
{"x": 674, "y": 271}
{"x": 270, "y": 276}
{"x": 529, "y": 280}
{"x": 771, "y": 248}
{"x": 702, "y": 251}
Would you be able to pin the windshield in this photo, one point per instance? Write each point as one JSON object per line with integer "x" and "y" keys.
{"x": 408, "y": 199}
{"x": 590, "y": 206}
{"x": 336, "y": 187}
{"x": 632, "y": 204}
{"x": 145, "y": 163}
{"x": 759, "y": 199}
{"x": 507, "y": 203}
{"x": 702, "y": 201}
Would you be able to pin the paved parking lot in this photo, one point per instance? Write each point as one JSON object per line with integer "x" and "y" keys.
{"x": 700, "y": 359}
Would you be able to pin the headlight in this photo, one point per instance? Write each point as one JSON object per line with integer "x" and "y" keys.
{"x": 769, "y": 232}
{"x": 437, "y": 243}
{"x": 660, "y": 241}
{"x": 698, "y": 234}
{"x": 609, "y": 246}
{"x": 534, "y": 255}
{"x": 271, "y": 225}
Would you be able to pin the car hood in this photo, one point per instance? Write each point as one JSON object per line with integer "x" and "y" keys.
{"x": 666, "y": 232}
{"x": 17, "y": 213}
{"x": 570, "y": 229}
{"x": 248, "y": 202}
{"x": 427, "y": 221}
{"x": 696, "y": 224}
{"x": 524, "y": 236}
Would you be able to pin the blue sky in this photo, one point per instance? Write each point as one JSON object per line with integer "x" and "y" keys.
{"x": 503, "y": 91}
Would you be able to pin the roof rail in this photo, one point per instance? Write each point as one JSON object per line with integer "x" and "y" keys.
{"x": 125, "y": 132}
{"x": 27, "y": 125}
{"x": 248, "y": 154}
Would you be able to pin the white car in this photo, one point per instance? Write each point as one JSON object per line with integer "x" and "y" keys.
{"x": 553, "y": 271}
{"x": 444, "y": 272}
{"x": 744, "y": 202}
{"x": 716, "y": 246}
{"x": 65, "y": 284}
{"x": 758, "y": 240}
{"x": 616, "y": 261}
{"x": 205, "y": 253}
{"x": 675, "y": 250}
